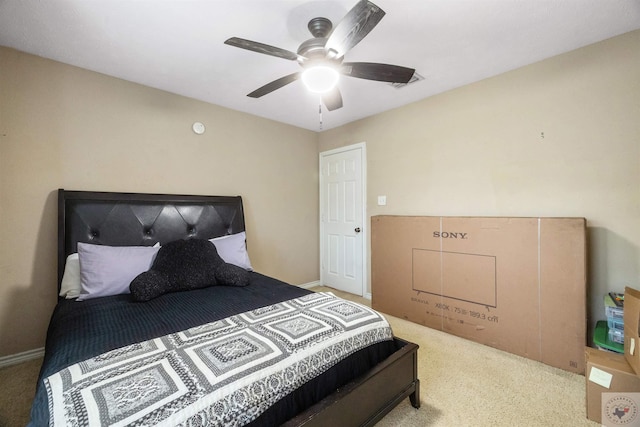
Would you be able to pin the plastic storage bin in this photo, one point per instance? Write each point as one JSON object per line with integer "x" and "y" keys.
{"x": 612, "y": 310}
{"x": 602, "y": 341}
{"x": 616, "y": 335}
{"x": 614, "y": 323}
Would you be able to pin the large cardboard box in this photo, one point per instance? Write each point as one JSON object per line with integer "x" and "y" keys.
{"x": 607, "y": 372}
{"x": 516, "y": 284}
{"x": 631, "y": 326}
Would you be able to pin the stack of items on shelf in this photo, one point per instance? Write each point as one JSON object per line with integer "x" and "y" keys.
{"x": 614, "y": 307}
{"x": 609, "y": 334}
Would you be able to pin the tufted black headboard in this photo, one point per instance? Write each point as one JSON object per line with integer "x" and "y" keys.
{"x": 132, "y": 219}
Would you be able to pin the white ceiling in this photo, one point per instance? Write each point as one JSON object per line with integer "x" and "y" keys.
{"x": 177, "y": 45}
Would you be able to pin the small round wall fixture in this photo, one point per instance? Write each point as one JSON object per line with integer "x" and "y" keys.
{"x": 198, "y": 128}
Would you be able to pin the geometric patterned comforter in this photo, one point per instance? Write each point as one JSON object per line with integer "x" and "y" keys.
{"x": 224, "y": 373}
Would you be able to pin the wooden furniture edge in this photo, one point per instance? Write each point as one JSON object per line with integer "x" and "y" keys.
{"x": 354, "y": 404}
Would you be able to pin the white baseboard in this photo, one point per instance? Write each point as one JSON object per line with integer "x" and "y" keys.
{"x": 367, "y": 295}
{"x": 25, "y": 356}
{"x": 309, "y": 285}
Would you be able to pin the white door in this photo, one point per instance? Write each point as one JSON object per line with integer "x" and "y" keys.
{"x": 342, "y": 218}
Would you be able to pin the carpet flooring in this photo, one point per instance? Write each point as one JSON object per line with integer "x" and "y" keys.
{"x": 466, "y": 384}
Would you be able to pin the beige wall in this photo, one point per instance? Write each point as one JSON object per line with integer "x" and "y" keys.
{"x": 479, "y": 150}
{"x": 63, "y": 127}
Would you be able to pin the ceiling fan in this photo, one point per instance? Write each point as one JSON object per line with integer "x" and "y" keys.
{"x": 321, "y": 57}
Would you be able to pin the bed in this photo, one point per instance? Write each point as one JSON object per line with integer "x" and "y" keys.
{"x": 359, "y": 388}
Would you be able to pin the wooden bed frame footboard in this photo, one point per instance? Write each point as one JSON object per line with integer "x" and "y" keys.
{"x": 365, "y": 401}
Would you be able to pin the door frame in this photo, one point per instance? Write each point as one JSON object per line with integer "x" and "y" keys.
{"x": 364, "y": 233}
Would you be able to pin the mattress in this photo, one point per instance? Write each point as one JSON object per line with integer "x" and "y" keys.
{"x": 81, "y": 330}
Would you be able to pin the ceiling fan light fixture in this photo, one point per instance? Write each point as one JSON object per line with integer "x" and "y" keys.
{"x": 320, "y": 78}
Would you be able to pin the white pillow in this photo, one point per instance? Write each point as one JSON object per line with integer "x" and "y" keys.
{"x": 233, "y": 249}
{"x": 70, "y": 286}
{"x": 108, "y": 270}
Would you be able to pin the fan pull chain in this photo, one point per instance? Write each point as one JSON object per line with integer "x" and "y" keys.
{"x": 320, "y": 112}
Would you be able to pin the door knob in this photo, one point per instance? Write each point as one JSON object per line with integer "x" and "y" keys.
{"x": 357, "y": 230}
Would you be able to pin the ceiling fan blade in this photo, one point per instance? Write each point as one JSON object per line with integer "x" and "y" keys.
{"x": 261, "y": 48}
{"x": 276, "y": 84}
{"x": 332, "y": 99}
{"x": 356, "y": 24}
{"x": 378, "y": 72}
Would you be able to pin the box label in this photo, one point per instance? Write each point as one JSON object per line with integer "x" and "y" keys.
{"x": 600, "y": 377}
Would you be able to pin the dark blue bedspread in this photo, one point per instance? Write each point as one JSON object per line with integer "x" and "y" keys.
{"x": 80, "y": 330}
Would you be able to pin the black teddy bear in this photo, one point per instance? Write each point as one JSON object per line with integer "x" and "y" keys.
{"x": 183, "y": 265}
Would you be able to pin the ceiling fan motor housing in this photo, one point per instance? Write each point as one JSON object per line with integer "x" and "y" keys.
{"x": 313, "y": 50}
{"x": 320, "y": 27}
